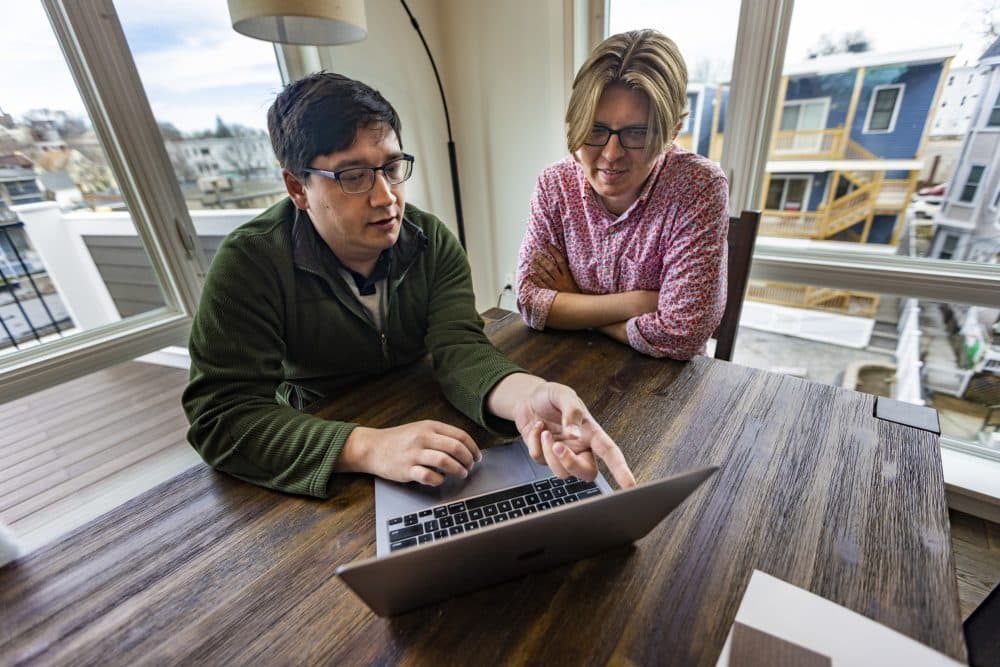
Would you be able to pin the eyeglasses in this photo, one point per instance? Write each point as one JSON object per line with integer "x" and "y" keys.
{"x": 357, "y": 180}
{"x": 628, "y": 137}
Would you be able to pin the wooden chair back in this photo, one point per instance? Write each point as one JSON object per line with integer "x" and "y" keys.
{"x": 741, "y": 239}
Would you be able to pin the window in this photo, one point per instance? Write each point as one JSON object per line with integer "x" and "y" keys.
{"x": 209, "y": 88}
{"x": 948, "y": 246}
{"x": 89, "y": 308}
{"x": 867, "y": 215}
{"x": 996, "y": 200}
{"x": 994, "y": 119}
{"x": 788, "y": 193}
{"x": 972, "y": 183}
{"x": 691, "y": 105}
{"x": 802, "y": 125}
{"x": 883, "y": 108}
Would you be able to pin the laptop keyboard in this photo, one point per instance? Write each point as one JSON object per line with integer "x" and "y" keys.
{"x": 443, "y": 521}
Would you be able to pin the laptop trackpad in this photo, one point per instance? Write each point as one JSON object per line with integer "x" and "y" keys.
{"x": 502, "y": 466}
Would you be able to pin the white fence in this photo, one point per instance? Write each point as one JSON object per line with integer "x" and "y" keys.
{"x": 908, "y": 364}
{"x": 59, "y": 240}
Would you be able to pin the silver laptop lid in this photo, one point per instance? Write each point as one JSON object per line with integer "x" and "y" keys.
{"x": 429, "y": 573}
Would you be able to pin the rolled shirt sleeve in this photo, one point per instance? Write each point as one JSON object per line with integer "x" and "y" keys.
{"x": 544, "y": 229}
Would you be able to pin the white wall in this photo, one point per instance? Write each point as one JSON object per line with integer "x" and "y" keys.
{"x": 506, "y": 67}
{"x": 506, "y": 62}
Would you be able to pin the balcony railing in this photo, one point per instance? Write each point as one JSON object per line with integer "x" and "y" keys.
{"x": 894, "y": 195}
{"x": 843, "y": 302}
{"x": 794, "y": 224}
{"x": 809, "y": 144}
{"x": 873, "y": 194}
{"x": 96, "y": 266}
{"x": 30, "y": 307}
{"x": 685, "y": 141}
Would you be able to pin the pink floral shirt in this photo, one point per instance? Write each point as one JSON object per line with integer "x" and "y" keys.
{"x": 672, "y": 239}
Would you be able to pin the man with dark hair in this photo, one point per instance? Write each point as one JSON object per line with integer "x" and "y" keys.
{"x": 342, "y": 281}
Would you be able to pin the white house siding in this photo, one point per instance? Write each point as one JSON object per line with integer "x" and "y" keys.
{"x": 959, "y": 100}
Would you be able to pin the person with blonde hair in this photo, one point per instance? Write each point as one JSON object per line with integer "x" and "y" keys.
{"x": 628, "y": 234}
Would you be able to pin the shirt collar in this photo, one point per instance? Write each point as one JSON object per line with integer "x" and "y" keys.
{"x": 366, "y": 285}
{"x": 588, "y": 192}
{"x": 309, "y": 250}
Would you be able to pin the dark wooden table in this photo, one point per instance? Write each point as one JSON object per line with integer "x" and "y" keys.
{"x": 813, "y": 489}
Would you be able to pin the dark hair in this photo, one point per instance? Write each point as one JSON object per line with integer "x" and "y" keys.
{"x": 321, "y": 114}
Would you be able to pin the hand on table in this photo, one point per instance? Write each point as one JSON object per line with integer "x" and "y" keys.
{"x": 422, "y": 452}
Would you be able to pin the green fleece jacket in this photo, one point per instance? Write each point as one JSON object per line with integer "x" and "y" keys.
{"x": 277, "y": 328}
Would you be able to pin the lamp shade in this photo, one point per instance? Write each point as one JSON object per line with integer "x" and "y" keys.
{"x": 316, "y": 22}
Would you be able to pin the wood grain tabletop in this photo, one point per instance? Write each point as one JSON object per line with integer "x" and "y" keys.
{"x": 812, "y": 488}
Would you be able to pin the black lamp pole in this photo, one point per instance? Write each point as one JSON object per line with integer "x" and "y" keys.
{"x": 451, "y": 144}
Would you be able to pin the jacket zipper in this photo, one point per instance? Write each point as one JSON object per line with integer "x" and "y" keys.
{"x": 383, "y": 316}
{"x": 385, "y": 307}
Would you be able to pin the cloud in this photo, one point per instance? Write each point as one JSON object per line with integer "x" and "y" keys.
{"x": 192, "y": 64}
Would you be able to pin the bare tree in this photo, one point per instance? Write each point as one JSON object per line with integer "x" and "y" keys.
{"x": 989, "y": 28}
{"x": 855, "y": 41}
{"x": 241, "y": 157}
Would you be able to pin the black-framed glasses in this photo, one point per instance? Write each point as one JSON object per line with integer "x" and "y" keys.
{"x": 357, "y": 180}
{"x": 628, "y": 137}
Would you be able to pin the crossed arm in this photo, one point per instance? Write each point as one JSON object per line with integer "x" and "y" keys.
{"x": 572, "y": 310}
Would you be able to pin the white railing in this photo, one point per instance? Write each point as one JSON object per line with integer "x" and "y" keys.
{"x": 59, "y": 240}
{"x": 907, "y": 387}
{"x": 946, "y": 380}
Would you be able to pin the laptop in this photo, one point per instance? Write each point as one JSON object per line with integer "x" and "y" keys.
{"x": 420, "y": 561}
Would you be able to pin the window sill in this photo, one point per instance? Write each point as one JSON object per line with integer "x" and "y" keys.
{"x": 972, "y": 484}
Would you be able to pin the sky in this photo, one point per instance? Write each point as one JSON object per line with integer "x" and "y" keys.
{"x": 705, "y": 31}
{"x": 194, "y": 66}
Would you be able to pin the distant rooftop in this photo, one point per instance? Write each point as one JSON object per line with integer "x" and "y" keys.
{"x": 841, "y": 62}
{"x": 992, "y": 52}
{"x": 56, "y": 180}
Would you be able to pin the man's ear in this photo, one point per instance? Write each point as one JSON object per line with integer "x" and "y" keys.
{"x": 296, "y": 190}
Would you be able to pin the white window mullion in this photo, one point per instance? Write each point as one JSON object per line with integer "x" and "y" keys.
{"x": 758, "y": 61}
{"x": 97, "y": 53}
{"x": 931, "y": 280}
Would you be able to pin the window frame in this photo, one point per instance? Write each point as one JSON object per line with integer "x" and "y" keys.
{"x": 825, "y": 102}
{"x": 960, "y": 198}
{"x": 807, "y": 193}
{"x": 687, "y": 127}
{"x": 995, "y": 109}
{"x": 895, "y": 110}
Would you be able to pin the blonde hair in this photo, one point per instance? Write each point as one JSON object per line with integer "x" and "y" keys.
{"x": 644, "y": 60}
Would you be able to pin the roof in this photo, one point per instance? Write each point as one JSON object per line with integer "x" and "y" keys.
{"x": 992, "y": 52}
{"x": 14, "y": 160}
{"x": 56, "y": 180}
{"x": 819, "y": 166}
{"x": 16, "y": 174}
{"x": 841, "y": 62}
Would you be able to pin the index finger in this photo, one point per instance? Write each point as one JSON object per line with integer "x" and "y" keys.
{"x": 605, "y": 448}
{"x": 558, "y": 256}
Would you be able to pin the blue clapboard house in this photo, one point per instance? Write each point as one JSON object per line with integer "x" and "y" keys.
{"x": 847, "y": 144}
